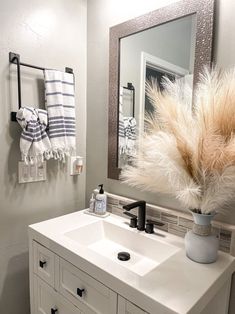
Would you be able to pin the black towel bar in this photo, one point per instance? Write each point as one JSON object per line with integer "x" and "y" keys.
{"x": 15, "y": 58}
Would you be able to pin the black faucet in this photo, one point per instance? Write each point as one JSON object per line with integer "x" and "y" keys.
{"x": 141, "y": 213}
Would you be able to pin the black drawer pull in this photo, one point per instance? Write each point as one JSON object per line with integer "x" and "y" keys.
{"x": 41, "y": 264}
{"x": 80, "y": 292}
{"x": 54, "y": 310}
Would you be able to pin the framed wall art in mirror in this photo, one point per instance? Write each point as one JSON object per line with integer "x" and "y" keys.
{"x": 173, "y": 41}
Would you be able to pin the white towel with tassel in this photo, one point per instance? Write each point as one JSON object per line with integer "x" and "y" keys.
{"x": 126, "y": 131}
{"x": 130, "y": 135}
{"x": 60, "y": 103}
{"x": 34, "y": 142}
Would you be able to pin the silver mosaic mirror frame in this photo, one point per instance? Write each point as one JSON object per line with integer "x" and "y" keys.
{"x": 204, "y": 10}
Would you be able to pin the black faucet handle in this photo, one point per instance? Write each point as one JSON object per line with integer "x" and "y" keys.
{"x": 150, "y": 225}
{"x": 155, "y": 222}
{"x": 130, "y": 214}
{"x": 133, "y": 220}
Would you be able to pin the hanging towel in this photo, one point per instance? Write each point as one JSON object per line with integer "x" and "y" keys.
{"x": 34, "y": 142}
{"x": 127, "y": 136}
{"x": 130, "y": 135}
{"x": 60, "y": 103}
{"x": 121, "y": 131}
{"x": 126, "y": 131}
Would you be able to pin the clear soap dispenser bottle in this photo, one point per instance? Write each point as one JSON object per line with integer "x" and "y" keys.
{"x": 100, "y": 202}
{"x": 92, "y": 204}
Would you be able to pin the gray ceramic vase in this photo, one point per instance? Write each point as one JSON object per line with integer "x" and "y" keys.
{"x": 200, "y": 244}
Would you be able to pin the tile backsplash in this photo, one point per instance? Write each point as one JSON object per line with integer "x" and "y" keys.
{"x": 175, "y": 222}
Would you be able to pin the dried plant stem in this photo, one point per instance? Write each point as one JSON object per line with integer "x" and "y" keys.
{"x": 190, "y": 154}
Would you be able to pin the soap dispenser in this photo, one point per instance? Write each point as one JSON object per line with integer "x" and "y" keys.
{"x": 100, "y": 202}
{"x": 92, "y": 204}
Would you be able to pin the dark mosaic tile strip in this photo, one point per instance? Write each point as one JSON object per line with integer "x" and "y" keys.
{"x": 225, "y": 235}
{"x": 153, "y": 212}
{"x": 224, "y": 243}
{"x": 224, "y": 246}
{"x": 109, "y": 208}
{"x": 169, "y": 218}
{"x": 122, "y": 203}
{"x": 215, "y": 231}
{"x": 116, "y": 211}
{"x": 112, "y": 201}
{"x": 184, "y": 222}
{"x": 177, "y": 230}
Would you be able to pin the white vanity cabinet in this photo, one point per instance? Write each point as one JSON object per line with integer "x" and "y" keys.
{"x": 126, "y": 307}
{"x": 58, "y": 287}
{"x": 69, "y": 276}
{"x": 48, "y": 301}
{"x": 85, "y": 292}
{"x": 44, "y": 263}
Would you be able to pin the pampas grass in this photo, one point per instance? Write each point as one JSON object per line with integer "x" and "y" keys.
{"x": 189, "y": 152}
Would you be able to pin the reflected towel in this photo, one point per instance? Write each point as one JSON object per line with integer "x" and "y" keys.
{"x": 126, "y": 131}
{"x": 130, "y": 135}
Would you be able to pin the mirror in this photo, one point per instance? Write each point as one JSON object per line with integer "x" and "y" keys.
{"x": 164, "y": 50}
{"x": 174, "y": 41}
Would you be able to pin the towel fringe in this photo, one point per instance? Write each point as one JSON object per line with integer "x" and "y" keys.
{"x": 57, "y": 154}
{"x": 62, "y": 154}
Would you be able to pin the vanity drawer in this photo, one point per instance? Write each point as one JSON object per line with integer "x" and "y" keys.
{"x": 44, "y": 263}
{"x": 126, "y": 307}
{"x": 133, "y": 309}
{"x": 48, "y": 301}
{"x": 88, "y": 294}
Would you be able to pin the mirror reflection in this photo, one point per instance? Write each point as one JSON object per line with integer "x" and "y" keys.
{"x": 164, "y": 50}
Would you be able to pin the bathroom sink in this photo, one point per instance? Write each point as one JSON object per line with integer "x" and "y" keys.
{"x": 108, "y": 239}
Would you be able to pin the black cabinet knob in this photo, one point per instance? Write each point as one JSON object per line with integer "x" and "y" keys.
{"x": 54, "y": 310}
{"x": 80, "y": 292}
{"x": 42, "y": 263}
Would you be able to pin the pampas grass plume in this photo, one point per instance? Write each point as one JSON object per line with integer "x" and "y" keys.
{"x": 189, "y": 152}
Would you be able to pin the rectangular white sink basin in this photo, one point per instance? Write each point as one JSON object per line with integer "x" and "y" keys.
{"x": 108, "y": 239}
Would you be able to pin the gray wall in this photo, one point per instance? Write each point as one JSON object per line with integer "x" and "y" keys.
{"x": 53, "y": 34}
{"x": 103, "y": 14}
{"x": 170, "y": 42}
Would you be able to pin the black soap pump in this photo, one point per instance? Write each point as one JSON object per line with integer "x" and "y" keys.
{"x": 101, "y": 202}
{"x": 101, "y": 189}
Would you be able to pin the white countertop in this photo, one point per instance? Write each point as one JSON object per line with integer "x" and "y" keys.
{"x": 178, "y": 285}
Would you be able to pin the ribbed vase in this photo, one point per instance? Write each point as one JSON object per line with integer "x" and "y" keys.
{"x": 200, "y": 244}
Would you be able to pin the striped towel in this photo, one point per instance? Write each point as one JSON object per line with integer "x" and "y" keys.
{"x": 60, "y": 103}
{"x": 126, "y": 132}
{"x": 121, "y": 128}
{"x": 130, "y": 136}
{"x": 34, "y": 142}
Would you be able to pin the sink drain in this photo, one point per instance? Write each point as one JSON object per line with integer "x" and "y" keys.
{"x": 123, "y": 256}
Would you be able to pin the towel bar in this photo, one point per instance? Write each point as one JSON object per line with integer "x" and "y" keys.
{"x": 15, "y": 58}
